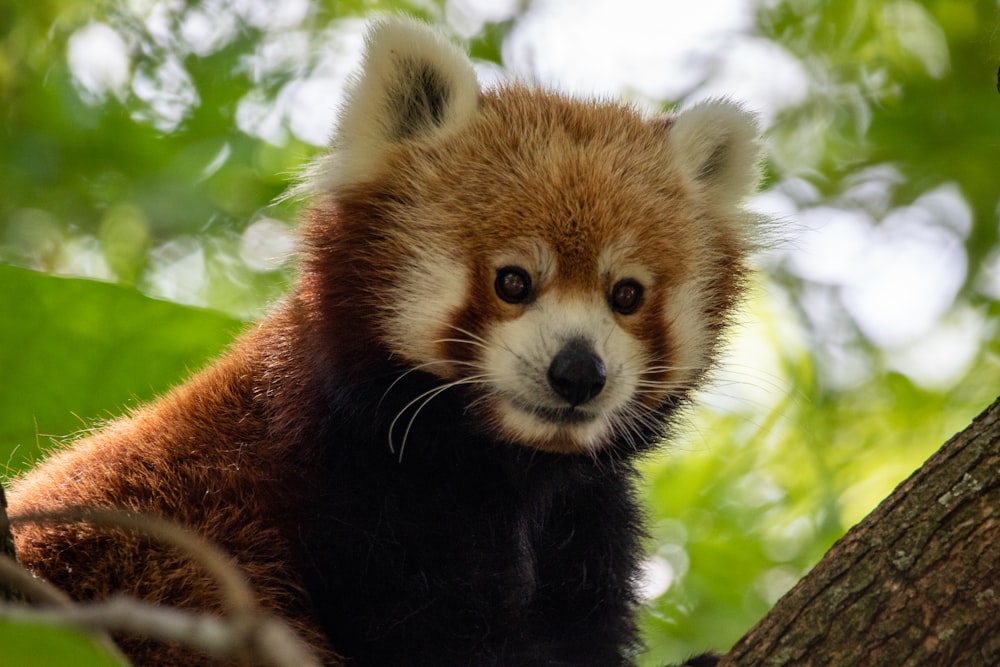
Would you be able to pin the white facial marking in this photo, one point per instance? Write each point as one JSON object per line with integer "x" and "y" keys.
{"x": 690, "y": 335}
{"x": 616, "y": 262}
{"x": 430, "y": 290}
{"x": 530, "y": 254}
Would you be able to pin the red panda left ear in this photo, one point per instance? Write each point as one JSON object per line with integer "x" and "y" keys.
{"x": 717, "y": 144}
{"x": 413, "y": 84}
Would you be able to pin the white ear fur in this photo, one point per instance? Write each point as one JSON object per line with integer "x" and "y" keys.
{"x": 413, "y": 83}
{"x": 717, "y": 143}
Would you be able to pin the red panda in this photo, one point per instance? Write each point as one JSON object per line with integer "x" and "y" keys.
{"x": 425, "y": 455}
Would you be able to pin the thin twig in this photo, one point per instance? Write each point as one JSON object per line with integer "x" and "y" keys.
{"x": 121, "y": 614}
{"x": 40, "y": 591}
{"x": 237, "y": 597}
{"x": 244, "y": 631}
{"x": 37, "y": 590}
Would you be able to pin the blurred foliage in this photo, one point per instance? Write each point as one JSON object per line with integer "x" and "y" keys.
{"x": 160, "y": 172}
{"x": 29, "y": 645}
{"x": 77, "y": 350}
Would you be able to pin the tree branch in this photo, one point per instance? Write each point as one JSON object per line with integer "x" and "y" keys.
{"x": 917, "y": 582}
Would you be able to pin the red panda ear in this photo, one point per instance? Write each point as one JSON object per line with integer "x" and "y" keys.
{"x": 413, "y": 84}
{"x": 717, "y": 144}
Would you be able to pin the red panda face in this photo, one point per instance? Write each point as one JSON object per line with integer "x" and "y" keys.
{"x": 565, "y": 267}
{"x": 566, "y": 370}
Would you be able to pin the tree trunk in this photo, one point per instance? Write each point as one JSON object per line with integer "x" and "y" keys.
{"x": 917, "y": 582}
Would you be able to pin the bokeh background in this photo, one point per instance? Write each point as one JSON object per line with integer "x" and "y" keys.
{"x": 144, "y": 145}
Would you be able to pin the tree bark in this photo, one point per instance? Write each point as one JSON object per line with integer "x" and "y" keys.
{"x": 917, "y": 582}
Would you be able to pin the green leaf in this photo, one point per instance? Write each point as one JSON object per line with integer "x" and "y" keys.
{"x": 27, "y": 645}
{"x": 71, "y": 350}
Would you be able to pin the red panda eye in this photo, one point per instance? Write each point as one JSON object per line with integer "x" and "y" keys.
{"x": 513, "y": 284}
{"x": 626, "y": 296}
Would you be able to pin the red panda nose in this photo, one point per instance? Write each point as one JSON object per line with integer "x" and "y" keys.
{"x": 577, "y": 373}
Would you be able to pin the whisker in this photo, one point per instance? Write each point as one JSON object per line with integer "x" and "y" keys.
{"x": 472, "y": 336}
{"x": 479, "y": 341}
{"x": 423, "y": 399}
{"x": 474, "y": 343}
{"x": 649, "y": 370}
{"x": 418, "y": 367}
{"x": 475, "y": 402}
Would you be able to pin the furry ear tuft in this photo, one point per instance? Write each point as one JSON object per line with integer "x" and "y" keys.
{"x": 413, "y": 84}
{"x": 717, "y": 144}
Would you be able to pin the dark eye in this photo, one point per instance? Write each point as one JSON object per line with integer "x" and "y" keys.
{"x": 626, "y": 296}
{"x": 513, "y": 284}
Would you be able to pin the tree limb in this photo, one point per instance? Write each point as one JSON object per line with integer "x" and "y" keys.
{"x": 917, "y": 582}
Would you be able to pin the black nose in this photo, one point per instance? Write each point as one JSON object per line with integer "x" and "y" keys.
{"x": 577, "y": 373}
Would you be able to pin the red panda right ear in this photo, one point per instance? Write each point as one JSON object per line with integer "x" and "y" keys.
{"x": 413, "y": 84}
{"x": 717, "y": 144}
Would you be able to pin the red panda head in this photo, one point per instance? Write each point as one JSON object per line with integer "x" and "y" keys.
{"x": 566, "y": 267}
